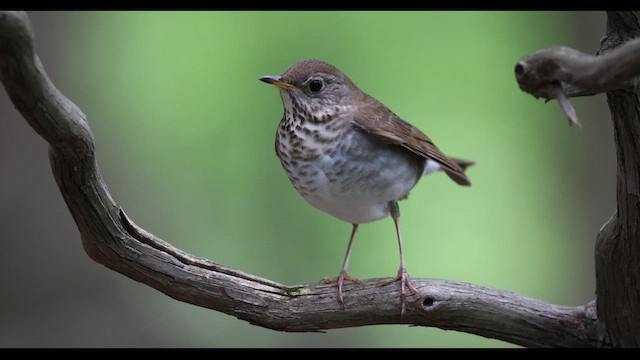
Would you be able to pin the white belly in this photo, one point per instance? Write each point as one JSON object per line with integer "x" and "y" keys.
{"x": 356, "y": 185}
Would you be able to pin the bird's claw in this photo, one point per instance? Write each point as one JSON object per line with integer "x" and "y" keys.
{"x": 403, "y": 277}
{"x": 340, "y": 279}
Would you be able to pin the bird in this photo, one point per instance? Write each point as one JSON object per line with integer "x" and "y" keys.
{"x": 350, "y": 156}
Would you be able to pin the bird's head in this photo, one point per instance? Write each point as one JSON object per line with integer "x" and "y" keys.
{"x": 314, "y": 87}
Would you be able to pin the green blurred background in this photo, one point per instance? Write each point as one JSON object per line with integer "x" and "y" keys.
{"x": 185, "y": 136}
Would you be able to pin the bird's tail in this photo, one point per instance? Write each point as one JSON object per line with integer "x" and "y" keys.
{"x": 432, "y": 166}
{"x": 464, "y": 164}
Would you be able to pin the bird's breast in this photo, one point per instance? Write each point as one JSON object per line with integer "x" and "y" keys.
{"x": 344, "y": 172}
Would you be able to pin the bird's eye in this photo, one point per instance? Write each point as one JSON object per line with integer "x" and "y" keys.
{"x": 315, "y": 85}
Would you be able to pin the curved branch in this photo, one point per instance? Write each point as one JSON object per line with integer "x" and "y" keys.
{"x": 313, "y": 307}
{"x": 540, "y": 73}
{"x": 560, "y": 72}
{"x": 110, "y": 238}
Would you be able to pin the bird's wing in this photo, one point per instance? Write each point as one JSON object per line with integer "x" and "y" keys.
{"x": 376, "y": 119}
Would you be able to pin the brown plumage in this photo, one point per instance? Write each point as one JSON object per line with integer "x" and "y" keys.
{"x": 350, "y": 156}
{"x": 378, "y": 120}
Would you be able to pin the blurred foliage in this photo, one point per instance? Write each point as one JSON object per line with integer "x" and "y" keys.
{"x": 185, "y": 137}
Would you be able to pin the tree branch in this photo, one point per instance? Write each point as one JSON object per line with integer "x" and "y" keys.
{"x": 110, "y": 238}
{"x": 615, "y": 71}
{"x": 540, "y": 73}
{"x": 618, "y": 242}
{"x": 560, "y": 72}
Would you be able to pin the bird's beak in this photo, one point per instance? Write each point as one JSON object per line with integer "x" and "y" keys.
{"x": 277, "y": 81}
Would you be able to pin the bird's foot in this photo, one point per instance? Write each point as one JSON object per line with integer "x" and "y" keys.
{"x": 340, "y": 280}
{"x": 403, "y": 277}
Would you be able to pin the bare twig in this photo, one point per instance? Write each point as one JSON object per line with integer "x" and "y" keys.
{"x": 540, "y": 72}
{"x": 561, "y": 72}
{"x": 566, "y": 107}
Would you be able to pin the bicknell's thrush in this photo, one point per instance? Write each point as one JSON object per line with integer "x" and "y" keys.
{"x": 350, "y": 156}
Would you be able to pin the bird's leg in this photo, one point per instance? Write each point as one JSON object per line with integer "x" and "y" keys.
{"x": 402, "y": 276}
{"x": 343, "y": 273}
